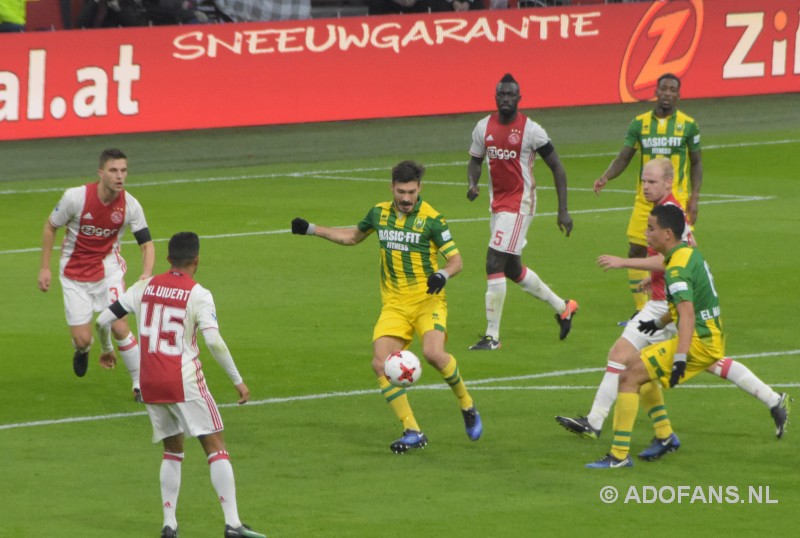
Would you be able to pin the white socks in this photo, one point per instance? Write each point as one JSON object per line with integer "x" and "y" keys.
{"x": 222, "y": 479}
{"x": 170, "y": 486}
{"x": 496, "y": 295}
{"x": 741, "y": 376}
{"x": 532, "y": 284}
{"x": 129, "y": 350}
{"x": 495, "y": 298}
{"x": 606, "y": 395}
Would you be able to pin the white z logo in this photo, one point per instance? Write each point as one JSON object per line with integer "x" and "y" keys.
{"x": 736, "y": 67}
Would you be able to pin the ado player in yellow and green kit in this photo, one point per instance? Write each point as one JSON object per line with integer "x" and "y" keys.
{"x": 664, "y": 132}
{"x": 700, "y": 342}
{"x": 411, "y": 234}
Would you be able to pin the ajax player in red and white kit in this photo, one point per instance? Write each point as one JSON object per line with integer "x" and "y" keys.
{"x": 169, "y": 310}
{"x": 509, "y": 142}
{"x": 91, "y": 268}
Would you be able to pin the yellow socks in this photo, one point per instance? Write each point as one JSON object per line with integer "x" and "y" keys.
{"x": 635, "y": 277}
{"x": 398, "y": 400}
{"x": 653, "y": 402}
{"x": 624, "y": 417}
{"x": 453, "y": 378}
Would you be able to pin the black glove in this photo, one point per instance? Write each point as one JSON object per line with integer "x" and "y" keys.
{"x": 436, "y": 282}
{"x": 300, "y": 226}
{"x": 678, "y": 369}
{"x": 649, "y": 327}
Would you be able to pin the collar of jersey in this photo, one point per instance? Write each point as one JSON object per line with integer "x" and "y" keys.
{"x": 674, "y": 114}
{"x": 673, "y": 250}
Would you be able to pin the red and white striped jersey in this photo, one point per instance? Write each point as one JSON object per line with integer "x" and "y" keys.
{"x": 91, "y": 247}
{"x": 509, "y": 151}
{"x": 658, "y": 291}
{"x": 169, "y": 309}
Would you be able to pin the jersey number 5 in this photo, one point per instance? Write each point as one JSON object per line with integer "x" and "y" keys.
{"x": 498, "y": 238}
{"x": 164, "y": 331}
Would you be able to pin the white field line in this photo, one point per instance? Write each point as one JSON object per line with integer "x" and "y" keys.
{"x": 478, "y": 384}
{"x": 325, "y": 174}
{"x": 728, "y": 199}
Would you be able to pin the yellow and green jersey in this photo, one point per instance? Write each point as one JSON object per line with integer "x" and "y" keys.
{"x": 409, "y": 247}
{"x": 688, "y": 278}
{"x": 673, "y": 137}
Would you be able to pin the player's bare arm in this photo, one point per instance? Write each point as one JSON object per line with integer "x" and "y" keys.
{"x": 685, "y": 326}
{"x": 696, "y": 179}
{"x": 454, "y": 265}
{"x": 560, "y": 180}
{"x": 474, "y": 169}
{"x": 341, "y": 236}
{"x": 48, "y": 239}
{"x": 617, "y": 166}
{"x": 244, "y": 393}
{"x": 108, "y": 360}
{"x": 148, "y": 259}
{"x": 651, "y": 263}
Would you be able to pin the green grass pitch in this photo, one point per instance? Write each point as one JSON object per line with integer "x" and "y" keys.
{"x": 310, "y": 452}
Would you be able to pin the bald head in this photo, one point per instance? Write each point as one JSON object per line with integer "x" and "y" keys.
{"x": 657, "y": 177}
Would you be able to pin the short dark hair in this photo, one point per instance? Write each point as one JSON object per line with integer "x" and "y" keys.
{"x": 183, "y": 248}
{"x": 508, "y": 77}
{"x": 671, "y": 217}
{"x": 407, "y": 171}
{"x": 669, "y": 76}
{"x": 109, "y": 154}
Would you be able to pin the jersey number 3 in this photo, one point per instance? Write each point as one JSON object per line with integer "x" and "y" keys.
{"x": 164, "y": 330}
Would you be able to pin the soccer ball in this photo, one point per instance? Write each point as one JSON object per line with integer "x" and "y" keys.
{"x": 402, "y": 368}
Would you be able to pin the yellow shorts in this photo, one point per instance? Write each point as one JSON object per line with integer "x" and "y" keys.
{"x": 637, "y": 225}
{"x": 404, "y": 319}
{"x": 703, "y": 352}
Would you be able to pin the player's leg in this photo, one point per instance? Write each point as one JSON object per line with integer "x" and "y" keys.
{"x": 396, "y": 397}
{"x": 111, "y": 289}
{"x": 638, "y": 249}
{"x": 530, "y": 282}
{"x": 591, "y": 425}
{"x": 221, "y": 471}
{"x": 494, "y": 300}
{"x": 741, "y": 376}
{"x": 392, "y": 333}
{"x": 128, "y": 348}
{"x": 624, "y": 350}
{"x": 170, "y": 479}
{"x": 514, "y": 240}
{"x": 606, "y": 393}
{"x": 658, "y": 360}
{"x": 526, "y": 278}
{"x": 631, "y": 379}
{"x": 82, "y": 342}
{"x": 506, "y": 240}
{"x": 665, "y": 440}
{"x": 167, "y": 429}
{"x": 432, "y": 324}
{"x": 78, "y": 311}
{"x": 201, "y": 419}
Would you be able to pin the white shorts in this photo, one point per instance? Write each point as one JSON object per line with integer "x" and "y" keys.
{"x": 83, "y": 299}
{"x": 651, "y": 310}
{"x": 508, "y": 232}
{"x": 194, "y": 418}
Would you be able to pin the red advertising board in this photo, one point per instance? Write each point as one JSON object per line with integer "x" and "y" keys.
{"x": 71, "y": 83}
